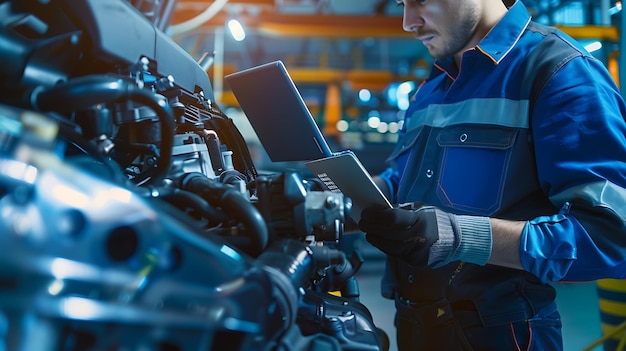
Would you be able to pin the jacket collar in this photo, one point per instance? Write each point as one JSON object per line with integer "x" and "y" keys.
{"x": 503, "y": 37}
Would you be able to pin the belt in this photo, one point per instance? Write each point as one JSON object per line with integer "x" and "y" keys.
{"x": 441, "y": 312}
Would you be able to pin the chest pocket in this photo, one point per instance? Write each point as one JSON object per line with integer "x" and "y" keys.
{"x": 474, "y": 167}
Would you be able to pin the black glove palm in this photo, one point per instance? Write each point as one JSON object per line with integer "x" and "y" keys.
{"x": 404, "y": 232}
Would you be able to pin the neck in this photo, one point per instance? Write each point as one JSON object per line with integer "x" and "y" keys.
{"x": 492, "y": 12}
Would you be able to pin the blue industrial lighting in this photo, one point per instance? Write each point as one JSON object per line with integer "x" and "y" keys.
{"x": 365, "y": 95}
{"x": 615, "y": 9}
{"x": 403, "y": 94}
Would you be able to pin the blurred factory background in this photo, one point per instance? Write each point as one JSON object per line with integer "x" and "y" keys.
{"x": 350, "y": 59}
{"x": 356, "y": 68}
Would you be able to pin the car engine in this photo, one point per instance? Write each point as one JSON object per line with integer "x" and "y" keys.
{"x": 132, "y": 216}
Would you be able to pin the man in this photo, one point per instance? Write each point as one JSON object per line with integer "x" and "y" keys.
{"x": 509, "y": 173}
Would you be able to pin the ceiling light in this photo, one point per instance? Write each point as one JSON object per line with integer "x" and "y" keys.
{"x": 236, "y": 29}
{"x": 595, "y": 46}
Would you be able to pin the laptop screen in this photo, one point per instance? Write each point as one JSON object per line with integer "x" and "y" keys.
{"x": 269, "y": 98}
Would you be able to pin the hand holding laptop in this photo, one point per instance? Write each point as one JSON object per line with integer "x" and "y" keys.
{"x": 344, "y": 172}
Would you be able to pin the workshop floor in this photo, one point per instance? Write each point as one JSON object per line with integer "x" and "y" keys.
{"x": 578, "y": 303}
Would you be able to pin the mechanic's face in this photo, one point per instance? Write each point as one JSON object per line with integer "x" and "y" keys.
{"x": 446, "y": 27}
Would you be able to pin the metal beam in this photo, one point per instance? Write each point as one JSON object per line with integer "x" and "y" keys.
{"x": 350, "y": 26}
{"x": 610, "y": 33}
{"x": 309, "y": 25}
{"x": 196, "y": 5}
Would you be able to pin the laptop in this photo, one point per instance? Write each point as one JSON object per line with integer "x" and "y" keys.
{"x": 269, "y": 98}
{"x": 343, "y": 172}
{"x": 286, "y": 129}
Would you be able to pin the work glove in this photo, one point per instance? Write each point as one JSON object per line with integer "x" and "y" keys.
{"x": 426, "y": 235}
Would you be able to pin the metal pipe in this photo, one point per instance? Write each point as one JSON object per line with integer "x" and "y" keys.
{"x": 199, "y": 20}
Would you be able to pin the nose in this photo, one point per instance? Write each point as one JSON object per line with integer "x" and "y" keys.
{"x": 412, "y": 18}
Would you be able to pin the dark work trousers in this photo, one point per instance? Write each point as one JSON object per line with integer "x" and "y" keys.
{"x": 458, "y": 328}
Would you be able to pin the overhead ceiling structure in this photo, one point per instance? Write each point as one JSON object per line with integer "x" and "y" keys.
{"x": 360, "y": 43}
{"x": 303, "y": 29}
{"x": 354, "y": 43}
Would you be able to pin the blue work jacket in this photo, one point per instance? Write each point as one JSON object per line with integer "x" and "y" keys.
{"x": 475, "y": 141}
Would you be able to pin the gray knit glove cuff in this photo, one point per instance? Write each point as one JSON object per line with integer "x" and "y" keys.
{"x": 461, "y": 238}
